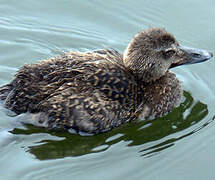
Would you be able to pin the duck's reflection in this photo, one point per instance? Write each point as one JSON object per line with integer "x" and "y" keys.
{"x": 138, "y": 133}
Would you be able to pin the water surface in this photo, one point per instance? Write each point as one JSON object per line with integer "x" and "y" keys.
{"x": 178, "y": 146}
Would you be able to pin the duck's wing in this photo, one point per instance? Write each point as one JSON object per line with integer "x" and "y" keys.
{"x": 94, "y": 103}
{"x": 29, "y": 88}
{"x": 36, "y": 82}
{"x": 89, "y": 112}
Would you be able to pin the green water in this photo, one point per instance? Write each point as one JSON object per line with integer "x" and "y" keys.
{"x": 178, "y": 146}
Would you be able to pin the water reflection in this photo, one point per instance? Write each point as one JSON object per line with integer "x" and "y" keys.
{"x": 152, "y": 136}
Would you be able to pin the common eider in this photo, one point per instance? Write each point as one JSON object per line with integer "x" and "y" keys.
{"x": 94, "y": 92}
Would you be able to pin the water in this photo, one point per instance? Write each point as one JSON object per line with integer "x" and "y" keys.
{"x": 178, "y": 146}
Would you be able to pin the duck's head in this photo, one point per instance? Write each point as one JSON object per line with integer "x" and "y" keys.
{"x": 152, "y": 52}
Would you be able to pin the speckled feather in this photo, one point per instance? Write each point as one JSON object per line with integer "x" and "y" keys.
{"x": 91, "y": 92}
{"x": 75, "y": 91}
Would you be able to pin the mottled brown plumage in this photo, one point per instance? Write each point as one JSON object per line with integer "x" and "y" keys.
{"x": 97, "y": 91}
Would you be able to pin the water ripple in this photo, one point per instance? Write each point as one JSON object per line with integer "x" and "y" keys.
{"x": 32, "y": 30}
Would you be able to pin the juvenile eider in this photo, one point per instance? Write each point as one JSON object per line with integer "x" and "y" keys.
{"x": 96, "y": 91}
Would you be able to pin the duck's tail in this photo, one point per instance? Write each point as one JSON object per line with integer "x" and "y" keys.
{"x": 4, "y": 91}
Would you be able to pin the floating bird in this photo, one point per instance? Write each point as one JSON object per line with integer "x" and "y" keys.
{"x": 94, "y": 92}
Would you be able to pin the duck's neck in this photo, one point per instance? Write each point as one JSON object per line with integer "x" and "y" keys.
{"x": 161, "y": 96}
{"x": 139, "y": 59}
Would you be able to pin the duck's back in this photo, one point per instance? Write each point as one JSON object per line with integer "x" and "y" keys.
{"x": 90, "y": 92}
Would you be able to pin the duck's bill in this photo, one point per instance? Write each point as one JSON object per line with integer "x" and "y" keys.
{"x": 192, "y": 56}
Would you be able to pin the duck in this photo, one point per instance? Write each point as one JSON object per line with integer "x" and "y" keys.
{"x": 94, "y": 92}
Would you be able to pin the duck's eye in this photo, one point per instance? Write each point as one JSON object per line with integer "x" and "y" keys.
{"x": 168, "y": 53}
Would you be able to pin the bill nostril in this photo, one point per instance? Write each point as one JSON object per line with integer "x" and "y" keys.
{"x": 196, "y": 55}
